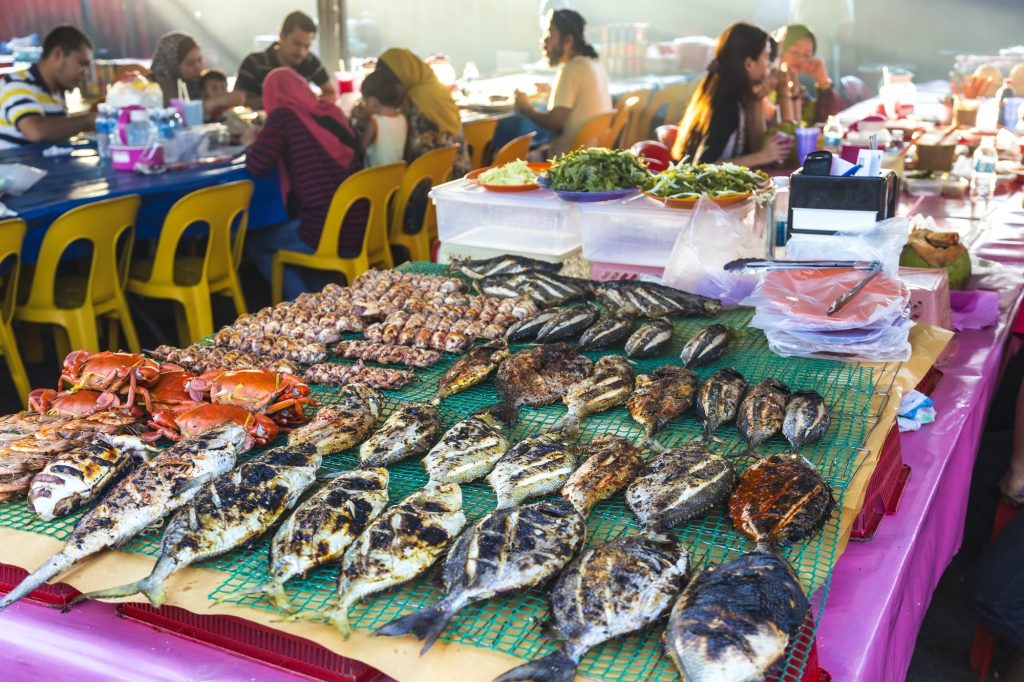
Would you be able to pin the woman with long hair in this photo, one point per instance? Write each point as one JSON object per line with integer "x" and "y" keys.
{"x": 725, "y": 120}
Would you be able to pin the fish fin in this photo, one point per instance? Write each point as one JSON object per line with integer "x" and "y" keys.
{"x": 151, "y": 587}
{"x": 568, "y": 425}
{"x": 272, "y": 591}
{"x": 504, "y": 411}
{"x": 556, "y": 667}
{"x": 336, "y": 616}
{"x": 427, "y": 624}
{"x": 197, "y": 482}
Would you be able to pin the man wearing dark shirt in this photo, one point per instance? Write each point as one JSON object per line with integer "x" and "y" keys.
{"x": 297, "y": 34}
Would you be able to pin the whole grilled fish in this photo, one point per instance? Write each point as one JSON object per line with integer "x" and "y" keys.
{"x": 227, "y": 513}
{"x": 780, "y": 500}
{"x": 471, "y": 369}
{"x": 718, "y": 399}
{"x": 534, "y": 466}
{"x": 613, "y": 590}
{"x": 546, "y": 290}
{"x": 605, "y": 333}
{"x": 500, "y": 265}
{"x": 344, "y": 425}
{"x": 526, "y": 329}
{"x": 706, "y": 346}
{"x": 659, "y": 397}
{"x": 322, "y": 528}
{"x": 761, "y": 413}
{"x": 612, "y": 463}
{"x": 505, "y": 552}
{"x": 610, "y": 385}
{"x": 650, "y": 339}
{"x": 568, "y": 323}
{"x": 653, "y": 300}
{"x": 733, "y": 622}
{"x": 408, "y": 432}
{"x": 679, "y": 485}
{"x": 807, "y": 418}
{"x": 400, "y": 545}
{"x": 468, "y": 450}
{"x": 540, "y": 375}
{"x": 78, "y": 476}
{"x": 145, "y": 496}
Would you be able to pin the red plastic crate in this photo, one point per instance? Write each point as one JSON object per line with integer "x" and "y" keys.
{"x": 805, "y": 643}
{"x": 255, "y": 641}
{"x": 58, "y": 594}
{"x": 884, "y": 489}
{"x": 603, "y": 272}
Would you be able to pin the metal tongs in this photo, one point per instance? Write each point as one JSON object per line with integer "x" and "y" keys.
{"x": 873, "y": 267}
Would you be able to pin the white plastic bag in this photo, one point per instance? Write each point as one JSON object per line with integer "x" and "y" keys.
{"x": 883, "y": 243}
{"x": 20, "y": 178}
{"x": 713, "y": 237}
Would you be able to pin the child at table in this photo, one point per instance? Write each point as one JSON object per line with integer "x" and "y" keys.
{"x": 213, "y": 87}
{"x": 386, "y": 128}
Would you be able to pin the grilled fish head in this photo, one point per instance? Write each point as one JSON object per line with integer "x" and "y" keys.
{"x": 719, "y": 398}
{"x": 706, "y": 346}
{"x": 807, "y": 418}
{"x": 661, "y": 396}
{"x": 762, "y": 411}
{"x": 612, "y": 462}
{"x": 679, "y": 485}
{"x": 649, "y": 339}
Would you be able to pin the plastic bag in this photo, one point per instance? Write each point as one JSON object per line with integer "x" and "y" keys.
{"x": 891, "y": 344}
{"x": 713, "y": 237}
{"x": 883, "y": 243}
{"x": 19, "y": 178}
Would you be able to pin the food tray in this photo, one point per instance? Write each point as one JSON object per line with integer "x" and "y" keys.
{"x": 885, "y": 489}
{"x": 512, "y": 624}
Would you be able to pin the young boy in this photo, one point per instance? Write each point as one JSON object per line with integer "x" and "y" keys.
{"x": 385, "y": 127}
{"x": 213, "y": 85}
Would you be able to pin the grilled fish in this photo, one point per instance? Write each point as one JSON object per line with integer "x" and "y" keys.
{"x": 780, "y": 500}
{"x": 471, "y": 369}
{"x": 653, "y": 300}
{"x": 408, "y": 432}
{"x": 612, "y": 463}
{"x": 733, "y": 623}
{"x": 146, "y": 495}
{"x": 505, "y": 552}
{"x": 613, "y": 590}
{"x": 659, "y": 397}
{"x": 500, "y": 265}
{"x": 610, "y": 385}
{"x": 400, "y": 545}
{"x": 74, "y": 478}
{"x": 343, "y": 425}
{"x": 606, "y": 333}
{"x": 468, "y": 450}
{"x": 706, "y": 346}
{"x": 540, "y": 375}
{"x": 719, "y": 399}
{"x": 650, "y": 339}
{"x": 534, "y": 466}
{"x": 679, "y": 485}
{"x": 526, "y": 329}
{"x": 761, "y": 413}
{"x": 323, "y": 527}
{"x": 568, "y": 323}
{"x": 546, "y": 290}
{"x": 225, "y": 514}
{"x": 807, "y": 418}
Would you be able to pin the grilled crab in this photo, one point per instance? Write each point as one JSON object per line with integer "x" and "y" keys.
{"x": 280, "y": 395}
{"x": 115, "y": 372}
{"x": 171, "y": 389}
{"x": 191, "y": 420}
{"x": 74, "y": 404}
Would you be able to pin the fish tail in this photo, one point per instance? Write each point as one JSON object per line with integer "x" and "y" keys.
{"x": 151, "y": 587}
{"x": 427, "y": 624}
{"x": 569, "y": 425}
{"x": 335, "y": 615}
{"x": 556, "y": 667}
{"x": 55, "y": 565}
{"x": 272, "y": 590}
{"x": 504, "y": 411}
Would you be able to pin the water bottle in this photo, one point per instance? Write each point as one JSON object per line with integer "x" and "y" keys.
{"x": 1006, "y": 117}
{"x": 139, "y": 131}
{"x": 781, "y": 212}
{"x": 106, "y": 123}
{"x": 833, "y": 135}
{"x": 983, "y": 178}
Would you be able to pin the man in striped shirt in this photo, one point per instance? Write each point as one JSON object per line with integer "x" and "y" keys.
{"x": 32, "y": 106}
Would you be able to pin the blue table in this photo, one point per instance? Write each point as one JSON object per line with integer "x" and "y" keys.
{"x": 80, "y": 178}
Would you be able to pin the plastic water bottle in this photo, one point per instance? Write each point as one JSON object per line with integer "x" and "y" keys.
{"x": 106, "y": 123}
{"x": 832, "y": 135}
{"x": 139, "y": 131}
{"x": 781, "y": 212}
{"x": 983, "y": 178}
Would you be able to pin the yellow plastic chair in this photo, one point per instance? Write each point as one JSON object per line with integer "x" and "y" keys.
{"x": 674, "y": 98}
{"x": 622, "y": 114}
{"x": 478, "y": 138}
{"x": 191, "y": 280}
{"x": 518, "y": 148}
{"x": 73, "y": 303}
{"x": 630, "y": 133}
{"x": 376, "y": 185}
{"x": 12, "y": 234}
{"x": 432, "y": 167}
{"x": 593, "y": 132}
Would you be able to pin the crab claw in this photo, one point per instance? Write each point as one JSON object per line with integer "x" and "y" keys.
{"x": 40, "y": 399}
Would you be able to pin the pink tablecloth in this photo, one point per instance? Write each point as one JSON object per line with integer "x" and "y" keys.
{"x": 881, "y": 589}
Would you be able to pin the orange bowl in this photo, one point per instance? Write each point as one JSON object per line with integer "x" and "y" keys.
{"x": 691, "y": 202}
{"x": 536, "y": 167}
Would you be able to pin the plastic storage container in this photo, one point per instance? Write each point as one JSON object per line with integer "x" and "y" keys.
{"x": 634, "y": 231}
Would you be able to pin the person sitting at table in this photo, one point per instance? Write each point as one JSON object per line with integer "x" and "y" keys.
{"x": 384, "y": 135}
{"x": 581, "y": 88}
{"x": 178, "y": 58}
{"x": 292, "y": 50}
{"x": 312, "y": 144}
{"x": 725, "y": 121}
{"x": 213, "y": 87}
{"x": 32, "y": 107}
{"x": 797, "y": 64}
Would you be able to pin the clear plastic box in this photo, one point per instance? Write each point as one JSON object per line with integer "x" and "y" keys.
{"x": 635, "y": 231}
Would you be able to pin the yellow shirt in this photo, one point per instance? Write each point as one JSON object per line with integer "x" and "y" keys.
{"x": 581, "y": 85}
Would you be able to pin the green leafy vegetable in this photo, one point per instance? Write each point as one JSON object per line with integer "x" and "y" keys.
{"x": 598, "y": 170}
{"x": 513, "y": 173}
{"x": 688, "y": 181}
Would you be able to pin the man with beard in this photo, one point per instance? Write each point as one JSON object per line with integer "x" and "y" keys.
{"x": 580, "y": 91}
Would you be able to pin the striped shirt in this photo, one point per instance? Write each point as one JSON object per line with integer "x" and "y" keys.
{"x": 24, "y": 93}
{"x": 257, "y": 65}
{"x": 313, "y": 175}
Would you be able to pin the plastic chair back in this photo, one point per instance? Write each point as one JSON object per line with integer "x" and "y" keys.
{"x": 593, "y": 132}
{"x": 478, "y": 138}
{"x": 12, "y": 235}
{"x": 433, "y": 167}
{"x": 674, "y": 99}
{"x": 630, "y": 134}
{"x": 622, "y": 115}
{"x": 518, "y": 148}
{"x": 376, "y": 185}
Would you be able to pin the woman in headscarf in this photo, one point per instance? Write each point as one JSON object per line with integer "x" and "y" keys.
{"x": 177, "y": 57}
{"x": 804, "y": 91}
{"x": 315, "y": 150}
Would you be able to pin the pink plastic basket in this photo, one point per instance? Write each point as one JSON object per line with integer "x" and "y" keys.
{"x": 603, "y": 272}
{"x": 124, "y": 158}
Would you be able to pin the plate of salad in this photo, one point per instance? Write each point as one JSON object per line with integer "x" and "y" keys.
{"x": 597, "y": 174}
{"x": 683, "y": 184}
{"x": 514, "y": 176}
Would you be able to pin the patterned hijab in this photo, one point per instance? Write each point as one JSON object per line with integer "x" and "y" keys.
{"x": 172, "y": 48}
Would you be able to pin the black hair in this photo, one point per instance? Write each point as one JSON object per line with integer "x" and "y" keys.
{"x": 298, "y": 20}
{"x": 384, "y": 87}
{"x": 67, "y": 37}
{"x": 571, "y": 23}
{"x": 212, "y": 75}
